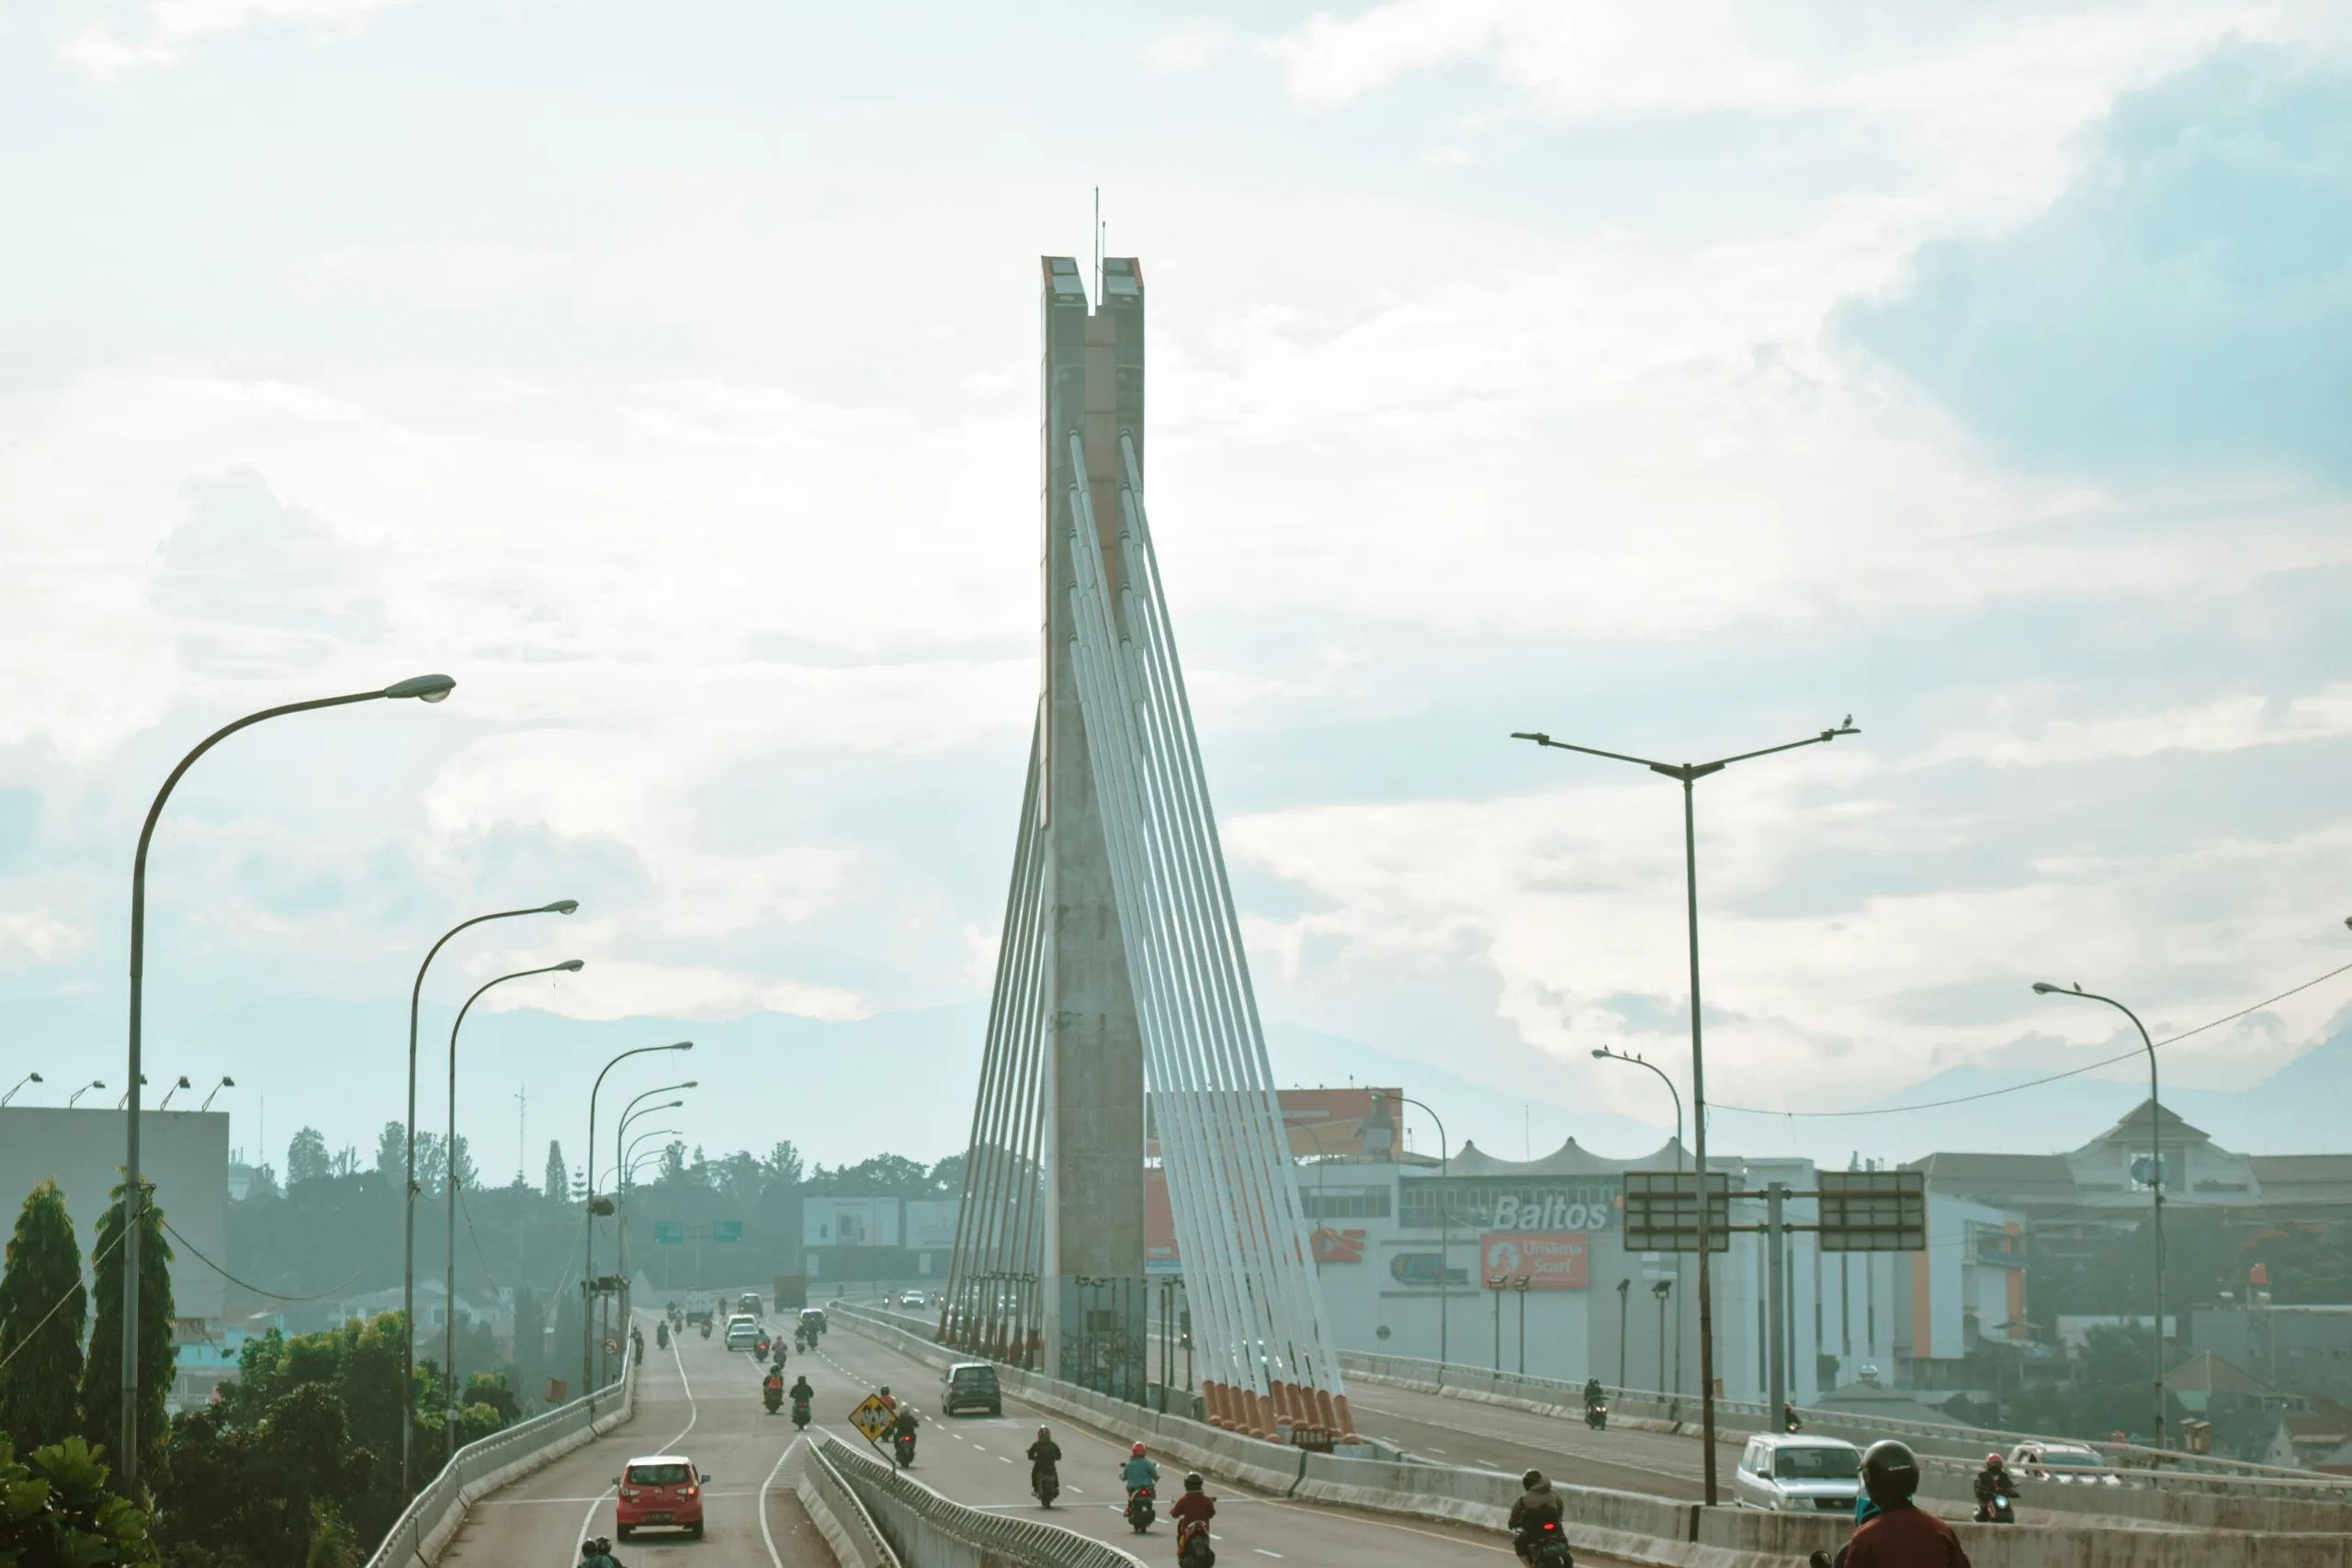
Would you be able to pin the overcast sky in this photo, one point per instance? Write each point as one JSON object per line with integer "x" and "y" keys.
{"x": 1673, "y": 378}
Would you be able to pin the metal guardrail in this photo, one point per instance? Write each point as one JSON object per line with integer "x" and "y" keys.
{"x": 885, "y": 1491}
{"x": 2128, "y": 1460}
{"x": 856, "y": 1540}
{"x": 485, "y": 1463}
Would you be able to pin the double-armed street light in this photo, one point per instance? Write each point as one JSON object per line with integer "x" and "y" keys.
{"x": 1687, "y": 774}
{"x": 588, "y": 1251}
{"x": 449, "y": 1182}
{"x": 423, "y": 688}
{"x": 29, "y": 1077}
{"x": 408, "y": 1188}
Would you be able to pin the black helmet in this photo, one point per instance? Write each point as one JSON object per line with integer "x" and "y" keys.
{"x": 1532, "y": 1480}
{"x": 1193, "y": 1481}
{"x": 1890, "y": 1472}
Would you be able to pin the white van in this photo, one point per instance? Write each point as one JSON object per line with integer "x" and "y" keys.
{"x": 1792, "y": 1472}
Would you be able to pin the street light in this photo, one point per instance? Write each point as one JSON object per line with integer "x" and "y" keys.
{"x": 124, "y": 1103}
{"x": 588, "y": 1259}
{"x": 93, "y": 1083}
{"x": 621, "y": 1183}
{"x": 1444, "y": 1235}
{"x": 449, "y": 1182}
{"x": 29, "y": 1077}
{"x": 424, "y": 688}
{"x": 2155, "y": 1169}
{"x": 408, "y": 1189}
{"x": 1687, "y": 774}
{"x": 1634, "y": 1057}
{"x": 224, "y": 1083}
{"x": 165, "y": 1104}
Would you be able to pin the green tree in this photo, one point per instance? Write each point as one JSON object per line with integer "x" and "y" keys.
{"x": 461, "y": 1165}
{"x": 557, "y": 1182}
{"x": 306, "y": 1159}
{"x": 530, "y": 1344}
{"x": 55, "y": 1511}
{"x": 783, "y": 1165}
{"x": 102, "y": 1373}
{"x": 391, "y": 1154}
{"x": 44, "y": 1310}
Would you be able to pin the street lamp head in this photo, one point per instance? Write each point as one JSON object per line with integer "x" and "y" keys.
{"x": 572, "y": 965}
{"x": 691, "y": 1083}
{"x": 1599, "y": 1052}
{"x": 1535, "y": 735}
{"x": 560, "y": 907}
{"x": 184, "y": 1083}
{"x": 2043, "y": 987}
{"x": 1844, "y": 727}
{"x": 34, "y": 1077}
{"x": 423, "y": 688}
{"x": 225, "y": 1083}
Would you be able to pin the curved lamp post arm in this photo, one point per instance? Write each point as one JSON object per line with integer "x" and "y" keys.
{"x": 2155, "y": 1170}
{"x": 1444, "y": 1238}
{"x": 426, "y": 688}
{"x": 588, "y": 1251}
{"x": 618, "y": 1158}
{"x": 630, "y": 1109}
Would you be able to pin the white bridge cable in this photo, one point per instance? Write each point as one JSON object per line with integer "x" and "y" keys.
{"x": 1184, "y": 1159}
{"x": 1178, "y": 903}
{"x": 1258, "y": 1107}
{"x": 1196, "y": 1184}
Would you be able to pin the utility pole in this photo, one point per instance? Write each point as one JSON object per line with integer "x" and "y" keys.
{"x": 1776, "y": 1244}
{"x": 1624, "y": 1287}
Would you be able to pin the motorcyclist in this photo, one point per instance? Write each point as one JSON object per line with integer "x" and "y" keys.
{"x": 661, "y": 1335}
{"x": 706, "y": 1328}
{"x": 1139, "y": 1471}
{"x": 1893, "y": 1533}
{"x": 1993, "y": 1481}
{"x": 771, "y": 1389}
{"x": 597, "y": 1552}
{"x": 888, "y": 1403}
{"x": 903, "y": 1428}
{"x": 1044, "y": 1455}
{"x": 801, "y": 1392}
{"x": 1192, "y": 1513}
{"x": 1789, "y": 1422}
{"x": 1537, "y": 1505}
{"x": 1594, "y": 1393}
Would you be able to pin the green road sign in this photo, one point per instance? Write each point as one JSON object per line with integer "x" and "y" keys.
{"x": 726, "y": 1230}
{"x": 670, "y": 1233}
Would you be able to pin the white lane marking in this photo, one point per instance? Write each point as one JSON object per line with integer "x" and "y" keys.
{"x": 694, "y": 1414}
{"x": 766, "y": 1534}
{"x": 1264, "y": 1553}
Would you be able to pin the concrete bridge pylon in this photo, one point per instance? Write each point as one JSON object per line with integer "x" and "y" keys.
{"x": 1121, "y": 988}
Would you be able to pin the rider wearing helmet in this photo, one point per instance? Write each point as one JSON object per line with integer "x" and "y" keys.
{"x": 1993, "y": 1481}
{"x": 1537, "y": 1505}
{"x": 1044, "y": 1454}
{"x": 1898, "y": 1534}
{"x": 887, "y": 1403}
{"x": 1139, "y": 1471}
{"x": 597, "y": 1552}
{"x": 1192, "y": 1513}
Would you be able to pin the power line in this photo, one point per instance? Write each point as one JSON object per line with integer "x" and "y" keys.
{"x": 2037, "y": 1083}
{"x": 60, "y": 1306}
{"x": 269, "y": 1295}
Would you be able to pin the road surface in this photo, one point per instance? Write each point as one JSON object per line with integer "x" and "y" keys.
{"x": 977, "y": 1461}
{"x": 693, "y": 1399}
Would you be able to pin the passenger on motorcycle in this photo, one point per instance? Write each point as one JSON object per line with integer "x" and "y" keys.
{"x": 1193, "y": 1513}
{"x": 888, "y": 1403}
{"x": 597, "y": 1552}
{"x": 1993, "y": 1481}
{"x": 1893, "y": 1533}
{"x": 1536, "y": 1504}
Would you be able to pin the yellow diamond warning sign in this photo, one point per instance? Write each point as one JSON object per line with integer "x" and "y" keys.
{"x": 872, "y": 1418}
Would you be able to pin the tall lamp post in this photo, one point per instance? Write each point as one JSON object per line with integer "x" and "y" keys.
{"x": 449, "y": 1182}
{"x": 2155, "y": 1170}
{"x": 1687, "y": 774}
{"x": 29, "y": 1077}
{"x": 424, "y": 688}
{"x": 1605, "y": 1054}
{"x": 1445, "y": 1232}
{"x": 588, "y": 1253}
{"x": 408, "y": 1189}
{"x": 620, "y": 1184}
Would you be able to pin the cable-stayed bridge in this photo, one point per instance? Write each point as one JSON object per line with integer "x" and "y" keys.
{"x": 1121, "y": 991}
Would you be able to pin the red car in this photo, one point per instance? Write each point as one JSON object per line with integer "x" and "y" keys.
{"x": 660, "y": 1492}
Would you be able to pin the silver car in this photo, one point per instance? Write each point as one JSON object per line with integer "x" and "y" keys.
{"x": 1790, "y": 1473}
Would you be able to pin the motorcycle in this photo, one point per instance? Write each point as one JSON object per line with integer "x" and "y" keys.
{"x": 1550, "y": 1548}
{"x": 1789, "y": 1421}
{"x": 1995, "y": 1511}
{"x": 1139, "y": 1509}
{"x": 661, "y": 1337}
{"x": 902, "y": 1448}
{"x": 1192, "y": 1547}
{"x": 800, "y": 1414}
{"x": 705, "y": 1331}
{"x": 1045, "y": 1485}
{"x": 1596, "y": 1416}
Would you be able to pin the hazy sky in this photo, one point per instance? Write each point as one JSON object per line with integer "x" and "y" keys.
{"x": 1673, "y": 378}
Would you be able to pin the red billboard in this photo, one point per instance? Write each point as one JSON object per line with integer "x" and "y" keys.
{"x": 1547, "y": 1260}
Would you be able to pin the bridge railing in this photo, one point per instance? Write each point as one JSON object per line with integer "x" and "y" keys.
{"x": 1737, "y": 1418}
{"x": 426, "y": 1527}
{"x": 927, "y": 1531}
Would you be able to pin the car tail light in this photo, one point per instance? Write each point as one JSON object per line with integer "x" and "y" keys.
{"x": 630, "y": 1493}
{"x": 693, "y": 1492}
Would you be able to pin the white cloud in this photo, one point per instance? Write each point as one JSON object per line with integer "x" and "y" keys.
{"x": 1447, "y": 157}
{"x": 170, "y": 26}
{"x": 2233, "y": 723}
{"x": 1193, "y": 48}
{"x": 35, "y": 936}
